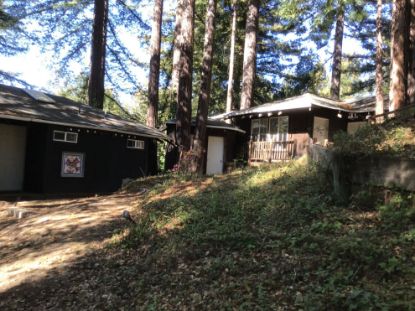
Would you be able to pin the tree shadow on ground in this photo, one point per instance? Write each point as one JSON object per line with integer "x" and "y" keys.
{"x": 259, "y": 240}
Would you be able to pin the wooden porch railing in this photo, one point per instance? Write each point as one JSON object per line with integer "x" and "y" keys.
{"x": 271, "y": 151}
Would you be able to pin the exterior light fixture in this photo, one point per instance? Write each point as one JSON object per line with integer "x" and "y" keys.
{"x": 279, "y": 113}
{"x": 339, "y": 115}
{"x": 269, "y": 114}
{"x": 260, "y": 115}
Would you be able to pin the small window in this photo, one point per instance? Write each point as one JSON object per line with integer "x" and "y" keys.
{"x": 135, "y": 144}
{"x": 67, "y": 137}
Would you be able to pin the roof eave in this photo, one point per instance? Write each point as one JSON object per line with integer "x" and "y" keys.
{"x": 92, "y": 127}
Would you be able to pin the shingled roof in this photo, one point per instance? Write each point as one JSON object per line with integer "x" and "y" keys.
{"x": 18, "y": 104}
{"x": 306, "y": 101}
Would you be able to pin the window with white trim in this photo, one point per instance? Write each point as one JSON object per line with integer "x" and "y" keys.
{"x": 135, "y": 144}
{"x": 270, "y": 129}
{"x": 259, "y": 129}
{"x": 278, "y": 128}
{"x": 66, "y": 137}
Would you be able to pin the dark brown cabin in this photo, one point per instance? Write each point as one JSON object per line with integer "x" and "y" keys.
{"x": 50, "y": 144}
{"x": 284, "y": 129}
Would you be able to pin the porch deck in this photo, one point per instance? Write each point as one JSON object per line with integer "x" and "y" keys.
{"x": 270, "y": 151}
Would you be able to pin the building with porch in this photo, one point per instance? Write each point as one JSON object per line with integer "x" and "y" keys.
{"x": 284, "y": 129}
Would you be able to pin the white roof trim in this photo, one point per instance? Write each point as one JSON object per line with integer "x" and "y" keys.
{"x": 305, "y": 101}
{"x": 236, "y": 129}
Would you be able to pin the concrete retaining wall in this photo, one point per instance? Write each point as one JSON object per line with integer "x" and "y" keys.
{"x": 376, "y": 170}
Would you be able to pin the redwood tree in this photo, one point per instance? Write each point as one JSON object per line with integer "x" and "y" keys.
{"x": 174, "y": 84}
{"x": 411, "y": 52}
{"x": 249, "y": 66}
{"x": 96, "y": 88}
{"x": 337, "y": 54}
{"x": 379, "y": 60}
{"x": 199, "y": 141}
{"x": 229, "y": 94}
{"x": 398, "y": 71}
{"x": 153, "y": 83}
{"x": 184, "y": 96}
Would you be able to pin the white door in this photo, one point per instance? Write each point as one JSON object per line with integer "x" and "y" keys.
{"x": 12, "y": 157}
{"x": 320, "y": 130}
{"x": 215, "y": 153}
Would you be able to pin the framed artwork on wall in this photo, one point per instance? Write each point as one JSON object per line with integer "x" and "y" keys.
{"x": 73, "y": 164}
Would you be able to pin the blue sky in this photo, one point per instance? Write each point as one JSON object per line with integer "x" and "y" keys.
{"x": 34, "y": 66}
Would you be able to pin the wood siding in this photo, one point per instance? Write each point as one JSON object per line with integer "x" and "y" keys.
{"x": 300, "y": 128}
{"x": 107, "y": 161}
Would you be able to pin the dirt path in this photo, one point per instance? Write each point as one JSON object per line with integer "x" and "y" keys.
{"x": 56, "y": 234}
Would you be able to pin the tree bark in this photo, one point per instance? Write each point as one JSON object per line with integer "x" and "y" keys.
{"x": 184, "y": 97}
{"x": 229, "y": 94}
{"x": 337, "y": 55}
{"x": 153, "y": 83}
{"x": 379, "y": 61}
{"x": 174, "y": 84}
{"x": 398, "y": 72}
{"x": 199, "y": 142}
{"x": 96, "y": 87}
{"x": 411, "y": 53}
{"x": 249, "y": 66}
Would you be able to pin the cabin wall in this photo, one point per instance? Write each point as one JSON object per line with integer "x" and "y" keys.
{"x": 37, "y": 140}
{"x": 300, "y": 127}
{"x": 107, "y": 161}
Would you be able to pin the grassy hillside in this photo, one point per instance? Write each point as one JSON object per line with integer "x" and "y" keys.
{"x": 394, "y": 137}
{"x": 268, "y": 239}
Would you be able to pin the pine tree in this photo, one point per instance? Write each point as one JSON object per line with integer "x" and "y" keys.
{"x": 154, "y": 76}
{"x": 69, "y": 24}
{"x": 13, "y": 38}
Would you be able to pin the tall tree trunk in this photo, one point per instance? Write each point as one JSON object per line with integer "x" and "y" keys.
{"x": 398, "y": 72}
{"x": 96, "y": 87}
{"x": 184, "y": 97}
{"x": 379, "y": 60}
{"x": 199, "y": 141}
{"x": 411, "y": 53}
{"x": 229, "y": 95}
{"x": 153, "y": 83}
{"x": 249, "y": 66}
{"x": 337, "y": 55}
{"x": 174, "y": 83}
